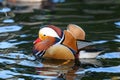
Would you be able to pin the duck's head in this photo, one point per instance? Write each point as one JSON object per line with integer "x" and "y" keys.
{"x": 49, "y": 32}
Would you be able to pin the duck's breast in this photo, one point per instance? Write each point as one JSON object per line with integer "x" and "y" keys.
{"x": 59, "y": 51}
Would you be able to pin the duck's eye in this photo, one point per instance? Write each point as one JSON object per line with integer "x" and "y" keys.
{"x": 44, "y": 35}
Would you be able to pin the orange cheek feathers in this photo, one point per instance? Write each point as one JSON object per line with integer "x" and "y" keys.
{"x": 45, "y": 44}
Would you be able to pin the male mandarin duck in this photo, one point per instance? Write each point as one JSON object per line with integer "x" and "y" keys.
{"x": 57, "y": 44}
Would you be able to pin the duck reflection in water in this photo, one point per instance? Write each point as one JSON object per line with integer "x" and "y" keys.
{"x": 25, "y": 6}
{"x": 65, "y": 69}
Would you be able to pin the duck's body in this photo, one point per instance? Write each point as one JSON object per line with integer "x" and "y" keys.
{"x": 57, "y": 44}
{"x": 59, "y": 51}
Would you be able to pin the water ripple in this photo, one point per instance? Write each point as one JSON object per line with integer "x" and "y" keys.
{"x": 114, "y": 69}
{"x": 4, "y": 10}
{"x": 7, "y": 61}
{"x": 110, "y": 55}
{"x": 10, "y": 74}
{"x": 30, "y": 63}
{"x": 116, "y": 40}
{"x": 4, "y": 74}
{"x": 100, "y": 42}
{"x": 117, "y": 23}
{"x": 4, "y": 45}
{"x": 10, "y": 28}
{"x": 118, "y": 36}
{"x": 14, "y": 56}
{"x": 8, "y": 21}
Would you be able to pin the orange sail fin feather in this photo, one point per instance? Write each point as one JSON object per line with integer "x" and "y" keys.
{"x": 76, "y": 31}
{"x": 70, "y": 41}
{"x": 57, "y": 44}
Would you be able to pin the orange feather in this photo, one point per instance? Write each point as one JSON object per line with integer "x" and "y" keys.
{"x": 43, "y": 45}
{"x": 76, "y": 31}
{"x": 70, "y": 41}
{"x": 59, "y": 52}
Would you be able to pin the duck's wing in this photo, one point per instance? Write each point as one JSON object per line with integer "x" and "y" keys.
{"x": 88, "y": 50}
{"x": 90, "y": 53}
{"x": 82, "y": 43}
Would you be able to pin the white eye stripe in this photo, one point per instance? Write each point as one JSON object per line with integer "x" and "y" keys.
{"x": 48, "y": 32}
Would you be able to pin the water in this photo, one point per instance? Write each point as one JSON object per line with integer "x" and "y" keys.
{"x": 19, "y": 27}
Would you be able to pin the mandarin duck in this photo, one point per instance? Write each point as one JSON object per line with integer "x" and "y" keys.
{"x": 57, "y": 44}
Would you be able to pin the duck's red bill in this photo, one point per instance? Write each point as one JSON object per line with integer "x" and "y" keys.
{"x": 37, "y": 40}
